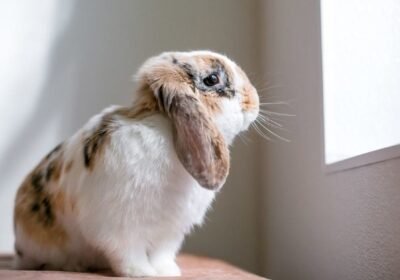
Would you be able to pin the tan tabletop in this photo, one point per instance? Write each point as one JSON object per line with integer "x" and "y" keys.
{"x": 192, "y": 267}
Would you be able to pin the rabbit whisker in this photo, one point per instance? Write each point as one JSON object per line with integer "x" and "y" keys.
{"x": 273, "y": 133}
{"x": 260, "y": 132}
{"x": 271, "y": 123}
{"x": 260, "y": 90}
{"x": 267, "y": 112}
{"x": 274, "y": 103}
{"x": 244, "y": 139}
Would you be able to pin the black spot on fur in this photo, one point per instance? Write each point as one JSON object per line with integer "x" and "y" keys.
{"x": 161, "y": 98}
{"x": 95, "y": 146}
{"x": 48, "y": 213}
{"x": 103, "y": 131}
{"x": 227, "y": 82}
{"x": 35, "y": 207}
{"x": 174, "y": 60}
{"x": 37, "y": 182}
{"x": 50, "y": 170}
{"x": 41, "y": 205}
{"x": 89, "y": 150}
{"x": 95, "y": 142}
{"x": 86, "y": 156}
{"x": 188, "y": 70}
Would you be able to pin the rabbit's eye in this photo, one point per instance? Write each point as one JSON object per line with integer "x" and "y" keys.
{"x": 211, "y": 80}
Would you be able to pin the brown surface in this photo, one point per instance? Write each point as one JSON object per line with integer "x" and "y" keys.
{"x": 193, "y": 267}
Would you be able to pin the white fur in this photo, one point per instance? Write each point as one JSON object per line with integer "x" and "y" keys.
{"x": 135, "y": 207}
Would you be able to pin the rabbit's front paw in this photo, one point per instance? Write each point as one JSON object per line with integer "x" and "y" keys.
{"x": 137, "y": 270}
{"x": 166, "y": 267}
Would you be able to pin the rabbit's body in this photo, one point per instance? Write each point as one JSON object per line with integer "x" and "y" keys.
{"x": 151, "y": 179}
{"x": 126, "y": 188}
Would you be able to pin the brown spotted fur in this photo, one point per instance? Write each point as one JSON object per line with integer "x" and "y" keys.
{"x": 95, "y": 142}
{"x": 39, "y": 200}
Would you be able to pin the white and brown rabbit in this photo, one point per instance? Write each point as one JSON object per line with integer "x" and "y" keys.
{"x": 127, "y": 187}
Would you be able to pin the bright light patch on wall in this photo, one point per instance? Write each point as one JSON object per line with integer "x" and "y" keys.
{"x": 361, "y": 72}
{"x": 28, "y": 30}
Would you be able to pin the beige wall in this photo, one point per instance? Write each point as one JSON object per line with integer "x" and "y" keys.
{"x": 317, "y": 225}
{"x": 81, "y": 58}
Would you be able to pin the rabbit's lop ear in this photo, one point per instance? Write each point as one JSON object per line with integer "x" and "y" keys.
{"x": 199, "y": 144}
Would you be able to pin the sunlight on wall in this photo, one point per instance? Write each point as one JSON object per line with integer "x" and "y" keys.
{"x": 27, "y": 31}
{"x": 361, "y": 66}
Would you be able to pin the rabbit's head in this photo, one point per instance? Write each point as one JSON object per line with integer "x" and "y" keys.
{"x": 209, "y": 100}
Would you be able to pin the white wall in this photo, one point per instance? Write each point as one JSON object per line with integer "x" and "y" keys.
{"x": 63, "y": 61}
{"x": 316, "y": 225}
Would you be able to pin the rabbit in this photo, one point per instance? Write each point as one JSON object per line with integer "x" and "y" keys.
{"x": 124, "y": 190}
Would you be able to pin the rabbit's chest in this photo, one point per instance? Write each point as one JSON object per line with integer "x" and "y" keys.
{"x": 186, "y": 199}
{"x": 157, "y": 186}
{"x": 172, "y": 196}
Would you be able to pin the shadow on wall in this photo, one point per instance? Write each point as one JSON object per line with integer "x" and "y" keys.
{"x": 94, "y": 44}
{"x": 76, "y": 83}
{"x": 90, "y": 67}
